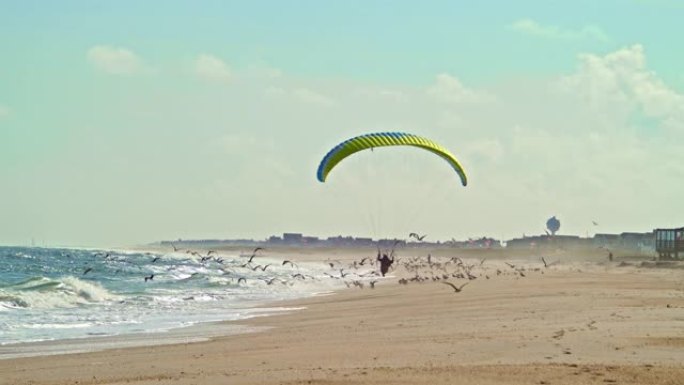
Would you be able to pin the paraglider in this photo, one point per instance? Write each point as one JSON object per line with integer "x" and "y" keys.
{"x": 383, "y": 139}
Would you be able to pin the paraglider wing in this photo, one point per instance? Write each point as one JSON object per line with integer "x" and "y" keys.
{"x": 383, "y": 139}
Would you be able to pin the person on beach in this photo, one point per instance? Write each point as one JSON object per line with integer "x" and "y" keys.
{"x": 385, "y": 263}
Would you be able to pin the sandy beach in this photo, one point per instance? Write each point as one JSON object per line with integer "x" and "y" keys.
{"x": 581, "y": 322}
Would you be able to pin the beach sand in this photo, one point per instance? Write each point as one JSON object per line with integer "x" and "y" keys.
{"x": 584, "y": 322}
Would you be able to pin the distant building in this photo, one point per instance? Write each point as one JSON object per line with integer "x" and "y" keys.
{"x": 549, "y": 241}
{"x": 669, "y": 243}
{"x": 364, "y": 241}
{"x": 273, "y": 239}
{"x": 606, "y": 240}
{"x": 638, "y": 241}
{"x": 292, "y": 238}
{"x": 310, "y": 240}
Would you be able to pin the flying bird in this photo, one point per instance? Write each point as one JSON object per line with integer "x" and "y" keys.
{"x": 290, "y": 262}
{"x": 594, "y": 222}
{"x": 149, "y": 278}
{"x": 263, "y": 268}
{"x": 269, "y": 281}
{"x": 254, "y": 253}
{"x": 87, "y": 270}
{"x": 457, "y": 289}
{"x": 156, "y": 259}
{"x": 417, "y": 237}
{"x": 251, "y": 257}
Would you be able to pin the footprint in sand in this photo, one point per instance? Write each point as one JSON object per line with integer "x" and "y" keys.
{"x": 557, "y": 335}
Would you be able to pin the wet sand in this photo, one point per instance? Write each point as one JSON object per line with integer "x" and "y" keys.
{"x": 586, "y": 322}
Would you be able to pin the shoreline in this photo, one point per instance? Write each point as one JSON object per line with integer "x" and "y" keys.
{"x": 563, "y": 325}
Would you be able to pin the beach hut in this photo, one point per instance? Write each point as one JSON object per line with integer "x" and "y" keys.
{"x": 669, "y": 243}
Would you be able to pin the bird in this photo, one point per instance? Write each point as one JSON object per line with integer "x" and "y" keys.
{"x": 417, "y": 237}
{"x": 211, "y": 251}
{"x": 372, "y": 284}
{"x": 482, "y": 261}
{"x": 364, "y": 261}
{"x": 149, "y": 278}
{"x": 594, "y": 222}
{"x": 156, "y": 259}
{"x": 87, "y": 270}
{"x": 545, "y": 264}
{"x": 290, "y": 262}
{"x": 457, "y": 289}
{"x": 263, "y": 268}
{"x": 269, "y": 281}
{"x": 242, "y": 279}
{"x": 512, "y": 266}
{"x": 174, "y": 247}
{"x": 254, "y": 253}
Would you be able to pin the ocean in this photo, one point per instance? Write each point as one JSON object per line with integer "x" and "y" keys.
{"x": 53, "y": 294}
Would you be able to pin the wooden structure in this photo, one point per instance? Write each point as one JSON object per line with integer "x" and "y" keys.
{"x": 669, "y": 243}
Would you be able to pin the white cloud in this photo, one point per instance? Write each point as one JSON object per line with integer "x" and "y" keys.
{"x": 531, "y": 27}
{"x": 565, "y": 146}
{"x": 310, "y": 96}
{"x": 450, "y": 89}
{"x": 303, "y": 95}
{"x": 384, "y": 94}
{"x": 115, "y": 60}
{"x": 490, "y": 149}
{"x": 212, "y": 68}
{"x": 274, "y": 92}
{"x": 621, "y": 80}
{"x": 263, "y": 70}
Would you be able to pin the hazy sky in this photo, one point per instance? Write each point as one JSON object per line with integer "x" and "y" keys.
{"x": 124, "y": 122}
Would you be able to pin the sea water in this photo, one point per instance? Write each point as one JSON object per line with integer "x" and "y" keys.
{"x": 49, "y": 294}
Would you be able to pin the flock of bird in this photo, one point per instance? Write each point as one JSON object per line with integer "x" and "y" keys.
{"x": 359, "y": 273}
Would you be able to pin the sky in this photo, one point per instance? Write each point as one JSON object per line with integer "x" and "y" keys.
{"x": 130, "y": 122}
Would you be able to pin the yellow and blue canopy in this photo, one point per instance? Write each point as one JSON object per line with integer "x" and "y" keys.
{"x": 383, "y": 139}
